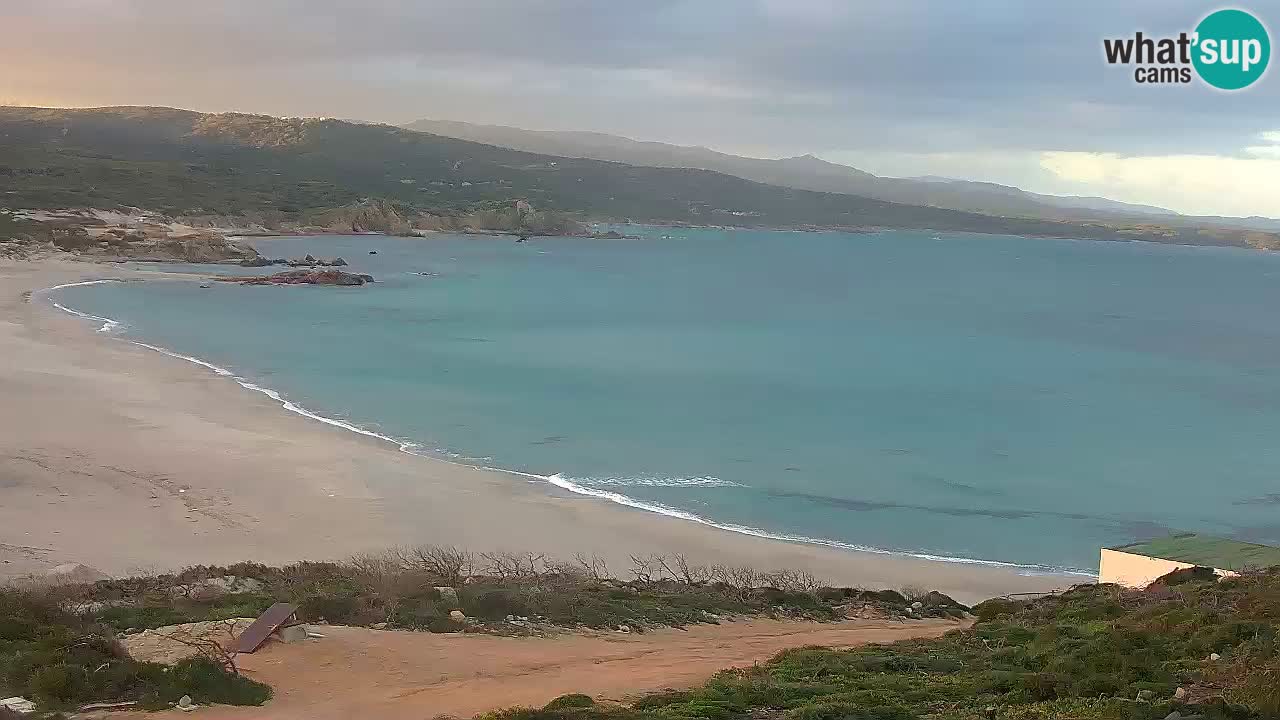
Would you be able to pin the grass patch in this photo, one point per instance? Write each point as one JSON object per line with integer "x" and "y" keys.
{"x": 61, "y": 661}
{"x": 1096, "y": 652}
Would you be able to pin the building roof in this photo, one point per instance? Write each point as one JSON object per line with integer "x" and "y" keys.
{"x": 1206, "y": 550}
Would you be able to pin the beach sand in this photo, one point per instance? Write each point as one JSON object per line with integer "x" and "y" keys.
{"x": 128, "y": 460}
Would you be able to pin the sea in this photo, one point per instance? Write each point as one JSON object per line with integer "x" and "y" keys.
{"x": 972, "y": 398}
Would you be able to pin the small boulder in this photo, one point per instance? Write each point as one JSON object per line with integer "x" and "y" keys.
{"x": 917, "y": 606}
{"x": 19, "y": 705}
{"x": 449, "y": 596}
{"x": 72, "y": 574}
{"x": 379, "y": 626}
{"x": 1215, "y": 656}
{"x": 184, "y": 701}
{"x": 292, "y": 633}
{"x": 457, "y": 616}
{"x": 1180, "y": 694}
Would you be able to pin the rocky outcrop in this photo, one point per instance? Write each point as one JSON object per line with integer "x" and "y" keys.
{"x": 311, "y": 261}
{"x": 305, "y": 277}
{"x": 126, "y": 235}
{"x": 308, "y": 261}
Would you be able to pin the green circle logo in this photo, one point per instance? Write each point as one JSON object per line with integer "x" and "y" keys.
{"x": 1232, "y": 49}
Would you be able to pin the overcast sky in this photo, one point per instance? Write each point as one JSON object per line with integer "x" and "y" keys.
{"x": 1014, "y": 92}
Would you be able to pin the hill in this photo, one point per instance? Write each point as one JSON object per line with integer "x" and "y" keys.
{"x": 180, "y": 162}
{"x": 807, "y": 172}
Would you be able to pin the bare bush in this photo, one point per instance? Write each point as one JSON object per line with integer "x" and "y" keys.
{"x": 792, "y": 580}
{"x": 913, "y": 593}
{"x": 515, "y": 566}
{"x": 681, "y": 570}
{"x": 644, "y": 567}
{"x": 593, "y": 567}
{"x": 389, "y": 575}
{"x": 741, "y": 579}
{"x": 447, "y": 564}
{"x": 212, "y": 648}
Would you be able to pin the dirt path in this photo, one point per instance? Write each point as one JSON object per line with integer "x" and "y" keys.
{"x": 356, "y": 672}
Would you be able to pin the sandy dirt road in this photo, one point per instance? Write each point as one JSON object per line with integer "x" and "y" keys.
{"x": 389, "y": 675}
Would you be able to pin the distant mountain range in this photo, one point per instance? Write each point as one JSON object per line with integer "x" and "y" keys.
{"x": 807, "y": 172}
{"x": 299, "y": 170}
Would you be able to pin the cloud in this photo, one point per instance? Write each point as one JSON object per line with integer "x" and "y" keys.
{"x": 1197, "y": 184}
{"x": 912, "y": 77}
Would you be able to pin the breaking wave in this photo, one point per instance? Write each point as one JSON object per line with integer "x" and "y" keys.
{"x": 585, "y": 487}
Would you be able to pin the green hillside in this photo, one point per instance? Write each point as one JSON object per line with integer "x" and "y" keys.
{"x": 181, "y": 162}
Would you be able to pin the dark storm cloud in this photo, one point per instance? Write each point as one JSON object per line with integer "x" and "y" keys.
{"x": 909, "y": 76}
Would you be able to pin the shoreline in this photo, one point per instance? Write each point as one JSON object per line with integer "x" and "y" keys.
{"x": 602, "y": 527}
{"x": 414, "y": 448}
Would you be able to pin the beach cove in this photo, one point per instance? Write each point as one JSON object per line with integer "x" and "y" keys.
{"x": 128, "y": 460}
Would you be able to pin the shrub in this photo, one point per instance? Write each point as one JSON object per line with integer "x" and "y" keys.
{"x": 207, "y": 682}
{"x": 336, "y": 607}
{"x": 494, "y": 603}
{"x": 573, "y": 700}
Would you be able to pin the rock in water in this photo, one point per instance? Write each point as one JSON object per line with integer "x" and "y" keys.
{"x": 305, "y": 277}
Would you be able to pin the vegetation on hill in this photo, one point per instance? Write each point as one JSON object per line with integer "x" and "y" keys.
{"x": 184, "y": 163}
{"x": 1187, "y": 645}
{"x": 62, "y": 660}
{"x": 60, "y": 645}
{"x": 805, "y": 172}
{"x": 419, "y": 588}
{"x": 1190, "y": 644}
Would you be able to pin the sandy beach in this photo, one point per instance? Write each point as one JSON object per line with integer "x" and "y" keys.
{"x": 127, "y": 460}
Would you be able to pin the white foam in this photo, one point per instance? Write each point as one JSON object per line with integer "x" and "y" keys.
{"x": 108, "y": 325}
{"x": 566, "y": 483}
{"x": 703, "y": 481}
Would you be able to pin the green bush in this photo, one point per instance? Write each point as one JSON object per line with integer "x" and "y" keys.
{"x": 207, "y": 682}
{"x": 62, "y": 660}
{"x": 335, "y": 607}
{"x": 573, "y": 700}
{"x": 494, "y": 603}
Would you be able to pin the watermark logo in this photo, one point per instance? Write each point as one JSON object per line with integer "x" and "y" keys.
{"x": 1229, "y": 50}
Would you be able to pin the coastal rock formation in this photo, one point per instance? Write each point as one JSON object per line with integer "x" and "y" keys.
{"x": 304, "y": 277}
{"x": 312, "y": 261}
{"x": 120, "y": 235}
{"x": 308, "y": 261}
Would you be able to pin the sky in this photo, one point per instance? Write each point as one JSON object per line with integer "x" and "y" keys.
{"x": 1015, "y": 92}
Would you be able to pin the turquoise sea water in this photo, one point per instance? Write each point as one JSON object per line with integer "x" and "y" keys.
{"x": 967, "y": 396}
